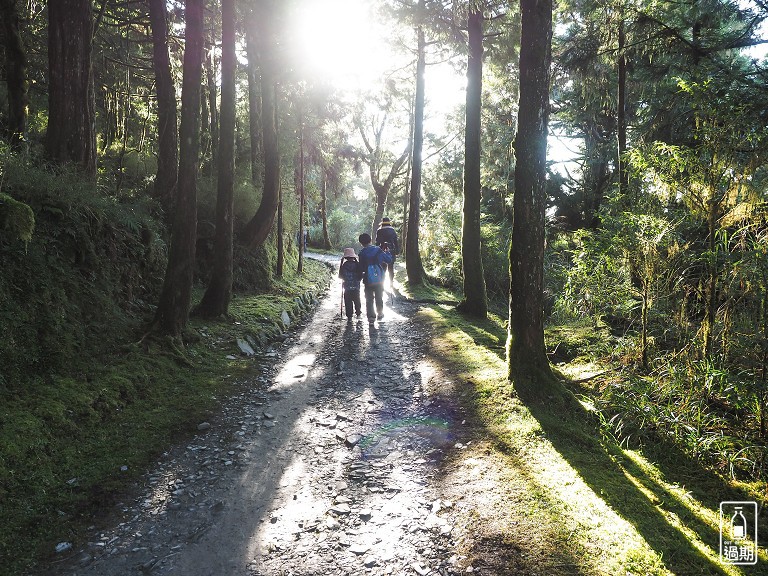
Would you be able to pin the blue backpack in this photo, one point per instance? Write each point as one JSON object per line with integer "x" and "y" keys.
{"x": 369, "y": 258}
{"x": 374, "y": 274}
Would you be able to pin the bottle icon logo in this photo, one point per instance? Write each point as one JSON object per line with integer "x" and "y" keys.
{"x": 738, "y": 524}
{"x": 738, "y": 533}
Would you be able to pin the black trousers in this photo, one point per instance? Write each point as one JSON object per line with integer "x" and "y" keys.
{"x": 351, "y": 300}
{"x": 374, "y": 293}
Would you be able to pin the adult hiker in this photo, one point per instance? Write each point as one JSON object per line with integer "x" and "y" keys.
{"x": 350, "y": 272}
{"x": 372, "y": 260}
{"x": 386, "y": 236}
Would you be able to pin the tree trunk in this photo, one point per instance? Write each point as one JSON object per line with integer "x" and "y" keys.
{"x": 205, "y": 125}
{"x": 300, "y": 267}
{"x": 124, "y": 129}
{"x": 210, "y": 74}
{"x": 413, "y": 264}
{"x": 375, "y": 161}
{"x": 254, "y": 100}
{"x": 324, "y": 211}
{"x": 407, "y": 187}
{"x": 217, "y": 296}
{"x": 71, "y": 135}
{"x": 526, "y": 353}
{"x": 381, "y": 201}
{"x": 406, "y": 205}
{"x": 621, "y": 110}
{"x": 382, "y": 189}
{"x": 168, "y": 141}
{"x": 16, "y": 74}
{"x": 475, "y": 300}
{"x": 280, "y": 266}
{"x": 108, "y": 129}
{"x": 173, "y": 310}
{"x": 258, "y": 228}
{"x": 596, "y": 177}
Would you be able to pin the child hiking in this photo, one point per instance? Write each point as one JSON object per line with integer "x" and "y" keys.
{"x": 372, "y": 261}
{"x": 350, "y": 273}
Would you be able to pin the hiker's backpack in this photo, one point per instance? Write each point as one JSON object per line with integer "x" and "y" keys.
{"x": 349, "y": 275}
{"x": 374, "y": 274}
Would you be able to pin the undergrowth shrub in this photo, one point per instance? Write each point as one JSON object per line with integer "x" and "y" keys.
{"x": 440, "y": 241}
{"x": 253, "y": 269}
{"x": 495, "y": 253}
{"x": 597, "y": 283}
{"x": 126, "y": 168}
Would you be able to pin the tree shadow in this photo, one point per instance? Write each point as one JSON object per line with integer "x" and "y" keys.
{"x": 667, "y": 522}
{"x": 535, "y": 543}
{"x": 639, "y": 498}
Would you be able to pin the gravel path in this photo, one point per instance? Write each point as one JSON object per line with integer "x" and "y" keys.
{"x": 327, "y": 464}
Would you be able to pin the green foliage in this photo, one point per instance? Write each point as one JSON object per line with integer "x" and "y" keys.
{"x": 130, "y": 167}
{"x": 440, "y": 239}
{"x": 495, "y": 239}
{"x": 344, "y": 226}
{"x": 596, "y": 282}
{"x": 704, "y": 409}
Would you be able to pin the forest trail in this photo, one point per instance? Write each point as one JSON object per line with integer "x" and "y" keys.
{"x": 331, "y": 462}
{"x": 361, "y": 450}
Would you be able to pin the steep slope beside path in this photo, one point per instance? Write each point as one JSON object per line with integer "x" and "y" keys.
{"x": 324, "y": 467}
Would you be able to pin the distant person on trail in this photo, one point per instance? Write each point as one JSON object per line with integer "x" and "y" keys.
{"x": 350, "y": 273}
{"x": 372, "y": 261}
{"x": 386, "y": 237}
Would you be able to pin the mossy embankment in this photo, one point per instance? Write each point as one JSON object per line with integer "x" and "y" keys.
{"x": 86, "y": 401}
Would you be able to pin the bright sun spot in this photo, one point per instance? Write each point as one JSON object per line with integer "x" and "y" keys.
{"x": 345, "y": 44}
{"x": 340, "y": 42}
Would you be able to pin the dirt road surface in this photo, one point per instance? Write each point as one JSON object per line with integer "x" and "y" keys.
{"x": 328, "y": 463}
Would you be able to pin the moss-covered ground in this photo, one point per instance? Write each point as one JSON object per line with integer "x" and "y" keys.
{"x": 70, "y": 445}
{"x": 560, "y": 496}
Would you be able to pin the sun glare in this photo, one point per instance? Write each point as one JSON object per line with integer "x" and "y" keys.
{"x": 340, "y": 42}
{"x": 345, "y": 44}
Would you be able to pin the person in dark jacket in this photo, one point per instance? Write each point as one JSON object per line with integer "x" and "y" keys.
{"x": 350, "y": 274}
{"x": 372, "y": 260}
{"x": 386, "y": 237}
